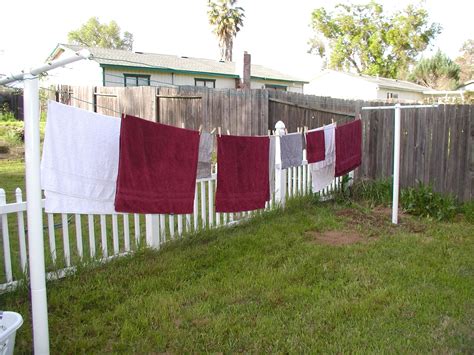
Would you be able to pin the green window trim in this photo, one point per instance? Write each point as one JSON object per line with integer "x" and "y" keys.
{"x": 136, "y": 77}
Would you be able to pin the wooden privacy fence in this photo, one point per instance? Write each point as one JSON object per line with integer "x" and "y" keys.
{"x": 437, "y": 144}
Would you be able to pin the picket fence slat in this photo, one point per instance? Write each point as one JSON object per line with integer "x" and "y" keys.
{"x": 90, "y": 222}
{"x": 103, "y": 235}
{"x": 77, "y": 220}
{"x": 66, "y": 248}
{"x": 21, "y": 232}
{"x": 52, "y": 237}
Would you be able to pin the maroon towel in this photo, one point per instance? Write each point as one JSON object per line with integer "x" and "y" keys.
{"x": 242, "y": 173}
{"x": 315, "y": 146}
{"x": 348, "y": 147}
{"x": 157, "y": 168}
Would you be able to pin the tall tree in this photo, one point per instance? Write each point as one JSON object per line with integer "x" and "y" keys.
{"x": 466, "y": 61}
{"x": 227, "y": 20}
{"x": 96, "y": 34}
{"x": 365, "y": 39}
{"x": 438, "y": 72}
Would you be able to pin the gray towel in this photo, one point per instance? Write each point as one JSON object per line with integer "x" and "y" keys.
{"x": 291, "y": 147}
{"x": 272, "y": 165}
{"x": 206, "y": 145}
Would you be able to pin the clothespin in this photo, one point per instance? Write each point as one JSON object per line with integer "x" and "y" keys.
{"x": 219, "y": 131}
{"x": 213, "y": 130}
{"x": 228, "y": 133}
{"x": 332, "y": 119}
{"x": 269, "y": 132}
{"x": 286, "y": 130}
{"x": 182, "y": 124}
{"x": 306, "y": 128}
{"x": 200, "y": 128}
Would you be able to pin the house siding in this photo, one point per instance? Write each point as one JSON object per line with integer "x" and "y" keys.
{"x": 409, "y": 96}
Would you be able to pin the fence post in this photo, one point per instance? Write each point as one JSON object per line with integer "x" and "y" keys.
{"x": 6, "y": 239}
{"x": 280, "y": 174}
{"x": 21, "y": 232}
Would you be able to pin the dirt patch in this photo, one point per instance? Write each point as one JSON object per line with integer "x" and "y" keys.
{"x": 335, "y": 238}
{"x": 371, "y": 220}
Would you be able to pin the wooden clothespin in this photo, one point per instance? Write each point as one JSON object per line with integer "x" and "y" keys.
{"x": 332, "y": 119}
{"x": 305, "y": 129}
{"x": 219, "y": 131}
{"x": 286, "y": 130}
{"x": 213, "y": 130}
{"x": 269, "y": 132}
{"x": 200, "y": 128}
{"x": 182, "y": 124}
{"x": 228, "y": 133}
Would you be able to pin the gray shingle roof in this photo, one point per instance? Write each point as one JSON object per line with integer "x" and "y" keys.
{"x": 106, "y": 56}
{"x": 390, "y": 83}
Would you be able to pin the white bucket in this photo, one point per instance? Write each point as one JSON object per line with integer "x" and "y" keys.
{"x": 9, "y": 323}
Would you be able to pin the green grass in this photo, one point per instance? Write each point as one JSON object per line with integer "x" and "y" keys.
{"x": 267, "y": 286}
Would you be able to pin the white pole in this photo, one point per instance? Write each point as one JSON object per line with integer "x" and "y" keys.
{"x": 396, "y": 164}
{"x": 280, "y": 174}
{"x": 39, "y": 303}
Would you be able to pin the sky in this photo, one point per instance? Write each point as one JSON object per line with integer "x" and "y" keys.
{"x": 275, "y": 32}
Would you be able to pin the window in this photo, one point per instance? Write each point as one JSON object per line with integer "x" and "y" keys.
{"x": 391, "y": 95}
{"x": 208, "y": 83}
{"x": 276, "y": 87}
{"x": 136, "y": 80}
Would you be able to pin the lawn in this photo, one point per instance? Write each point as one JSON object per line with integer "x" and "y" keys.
{"x": 317, "y": 277}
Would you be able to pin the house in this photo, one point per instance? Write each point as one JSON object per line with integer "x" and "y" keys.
{"x": 114, "y": 67}
{"x": 364, "y": 87}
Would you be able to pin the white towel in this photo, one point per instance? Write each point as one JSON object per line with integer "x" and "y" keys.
{"x": 322, "y": 172}
{"x": 80, "y": 160}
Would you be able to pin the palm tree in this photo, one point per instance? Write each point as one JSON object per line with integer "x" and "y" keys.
{"x": 227, "y": 20}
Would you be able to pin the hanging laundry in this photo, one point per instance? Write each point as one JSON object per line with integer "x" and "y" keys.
{"x": 271, "y": 167}
{"x": 315, "y": 146}
{"x": 322, "y": 172}
{"x": 291, "y": 148}
{"x": 206, "y": 145}
{"x": 242, "y": 174}
{"x": 157, "y": 168}
{"x": 348, "y": 147}
{"x": 80, "y": 160}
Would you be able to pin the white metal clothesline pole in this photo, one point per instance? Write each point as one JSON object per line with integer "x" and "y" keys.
{"x": 396, "y": 151}
{"x": 39, "y": 303}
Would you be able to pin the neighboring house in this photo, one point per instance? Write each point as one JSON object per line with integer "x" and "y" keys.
{"x": 364, "y": 87}
{"x": 113, "y": 67}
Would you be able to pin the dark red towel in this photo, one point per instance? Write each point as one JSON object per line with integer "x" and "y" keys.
{"x": 315, "y": 146}
{"x": 242, "y": 173}
{"x": 348, "y": 147}
{"x": 157, "y": 168}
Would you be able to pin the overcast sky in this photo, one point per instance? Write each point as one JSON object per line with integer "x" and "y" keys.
{"x": 275, "y": 32}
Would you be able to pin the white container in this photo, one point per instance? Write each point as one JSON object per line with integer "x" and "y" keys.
{"x": 9, "y": 323}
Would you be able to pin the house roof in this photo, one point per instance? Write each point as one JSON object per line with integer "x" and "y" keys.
{"x": 172, "y": 63}
{"x": 385, "y": 82}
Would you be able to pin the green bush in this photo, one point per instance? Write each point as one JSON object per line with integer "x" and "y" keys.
{"x": 423, "y": 201}
{"x": 5, "y": 114}
{"x": 375, "y": 192}
{"x": 468, "y": 210}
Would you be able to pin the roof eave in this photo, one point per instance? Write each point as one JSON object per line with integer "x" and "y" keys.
{"x": 167, "y": 70}
{"x": 276, "y": 79}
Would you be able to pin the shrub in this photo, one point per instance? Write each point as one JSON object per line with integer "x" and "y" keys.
{"x": 423, "y": 201}
{"x": 376, "y": 192}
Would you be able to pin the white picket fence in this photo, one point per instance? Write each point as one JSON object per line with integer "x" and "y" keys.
{"x": 75, "y": 239}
